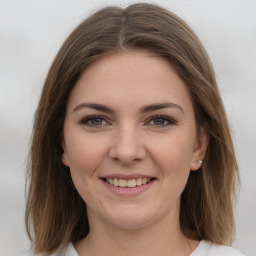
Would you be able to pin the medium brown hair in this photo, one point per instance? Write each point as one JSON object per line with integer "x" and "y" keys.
{"x": 55, "y": 213}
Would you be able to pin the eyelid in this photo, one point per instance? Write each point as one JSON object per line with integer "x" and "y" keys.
{"x": 165, "y": 118}
{"x": 85, "y": 120}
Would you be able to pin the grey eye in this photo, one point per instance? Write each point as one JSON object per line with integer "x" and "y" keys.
{"x": 94, "y": 121}
{"x": 160, "y": 120}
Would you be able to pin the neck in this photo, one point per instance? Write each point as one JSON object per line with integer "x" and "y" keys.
{"x": 162, "y": 238}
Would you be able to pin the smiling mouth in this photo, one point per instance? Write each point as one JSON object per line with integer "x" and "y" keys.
{"x": 131, "y": 183}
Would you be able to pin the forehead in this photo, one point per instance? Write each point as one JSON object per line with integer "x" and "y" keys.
{"x": 130, "y": 78}
{"x": 130, "y": 67}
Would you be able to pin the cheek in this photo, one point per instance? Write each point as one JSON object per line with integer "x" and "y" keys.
{"x": 84, "y": 159}
{"x": 175, "y": 151}
{"x": 84, "y": 154}
{"x": 173, "y": 157}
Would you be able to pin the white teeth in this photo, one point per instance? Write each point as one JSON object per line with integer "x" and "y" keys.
{"x": 139, "y": 181}
{"x": 127, "y": 183}
{"x": 122, "y": 183}
{"x": 131, "y": 183}
{"x": 115, "y": 182}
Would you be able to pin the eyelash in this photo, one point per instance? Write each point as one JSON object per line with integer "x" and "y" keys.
{"x": 87, "y": 120}
{"x": 164, "y": 118}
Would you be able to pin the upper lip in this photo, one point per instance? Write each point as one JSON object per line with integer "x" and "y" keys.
{"x": 126, "y": 176}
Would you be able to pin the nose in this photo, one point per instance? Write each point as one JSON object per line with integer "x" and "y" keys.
{"x": 127, "y": 146}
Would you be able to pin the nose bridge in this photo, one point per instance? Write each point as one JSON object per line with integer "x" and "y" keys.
{"x": 127, "y": 145}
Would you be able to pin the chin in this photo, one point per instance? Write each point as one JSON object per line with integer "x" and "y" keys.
{"x": 129, "y": 224}
{"x": 130, "y": 218}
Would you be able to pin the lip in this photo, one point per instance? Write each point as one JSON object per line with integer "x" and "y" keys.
{"x": 127, "y": 192}
{"x": 126, "y": 176}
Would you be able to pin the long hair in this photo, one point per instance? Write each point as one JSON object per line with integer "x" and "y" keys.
{"x": 55, "y": 213}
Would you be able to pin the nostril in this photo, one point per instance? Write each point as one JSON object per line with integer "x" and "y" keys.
{"x": 126, "y": 150}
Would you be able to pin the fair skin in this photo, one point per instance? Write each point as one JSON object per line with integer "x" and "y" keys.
{"x": 130, "y": 121}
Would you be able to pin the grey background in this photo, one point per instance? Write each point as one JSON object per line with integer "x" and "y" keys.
{"x": 31, "y": 32}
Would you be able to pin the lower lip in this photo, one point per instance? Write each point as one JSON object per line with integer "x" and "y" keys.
{"x": 129, "y": 191}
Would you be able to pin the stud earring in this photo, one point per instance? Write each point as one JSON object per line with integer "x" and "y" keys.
{"x": 200, "y": 161}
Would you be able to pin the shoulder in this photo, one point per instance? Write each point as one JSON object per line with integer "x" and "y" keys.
{"x": 207, "y": 248}
{"x": 69, "y": 251}
{"x": 224, "y": 250}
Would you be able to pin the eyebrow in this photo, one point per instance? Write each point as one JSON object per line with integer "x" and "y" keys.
{"x": 144, "y": 109}
{"x": 96, "y": 106}
{"x": 158, "y": 106}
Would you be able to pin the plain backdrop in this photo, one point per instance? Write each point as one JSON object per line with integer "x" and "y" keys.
{"x": 31, "y": 32}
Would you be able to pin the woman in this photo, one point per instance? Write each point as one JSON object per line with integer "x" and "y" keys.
{"x": 131, "y": 151}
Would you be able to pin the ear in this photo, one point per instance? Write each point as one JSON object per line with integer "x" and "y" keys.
{"x": 200, "y": 148}
{"x": 65, "y": 159}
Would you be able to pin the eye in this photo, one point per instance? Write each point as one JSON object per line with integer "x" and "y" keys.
{"x": 94, "y": 121}
{"x": 161, "y": 121}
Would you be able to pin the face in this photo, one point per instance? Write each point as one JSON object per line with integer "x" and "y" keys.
{"x": 130, "y": 140}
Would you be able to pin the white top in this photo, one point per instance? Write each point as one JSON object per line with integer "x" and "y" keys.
{"x": 203, "y": 249}
{"x": 209, "y": 249}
